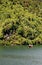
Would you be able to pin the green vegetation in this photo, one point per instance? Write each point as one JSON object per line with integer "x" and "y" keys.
{"x": 20, "y": 22}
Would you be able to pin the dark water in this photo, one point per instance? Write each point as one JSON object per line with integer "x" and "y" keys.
{"x": 21, "y": 55}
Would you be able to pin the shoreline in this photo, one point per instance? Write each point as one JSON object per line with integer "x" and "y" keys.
{"x": 20, "y": 45}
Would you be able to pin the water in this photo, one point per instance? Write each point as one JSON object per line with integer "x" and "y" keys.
{"x": 21, "y": 55}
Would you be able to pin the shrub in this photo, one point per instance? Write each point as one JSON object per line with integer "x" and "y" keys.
{"x": 9, "y": 27}
{"x": 20, "y": 23}
{"x": 20, "y": 31}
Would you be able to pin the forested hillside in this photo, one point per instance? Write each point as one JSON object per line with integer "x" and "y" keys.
{"x": 20, "y": 22}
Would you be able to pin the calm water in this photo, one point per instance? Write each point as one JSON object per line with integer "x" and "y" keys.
{"x": 21, "y": 55}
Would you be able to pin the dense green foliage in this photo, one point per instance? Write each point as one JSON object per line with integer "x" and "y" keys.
{"x": 20, "y": 22}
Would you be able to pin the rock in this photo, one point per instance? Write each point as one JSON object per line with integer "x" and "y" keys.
{"x": 30, "y": 45}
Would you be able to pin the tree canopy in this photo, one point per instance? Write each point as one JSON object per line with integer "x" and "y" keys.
{"x": 20, "y": 22}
